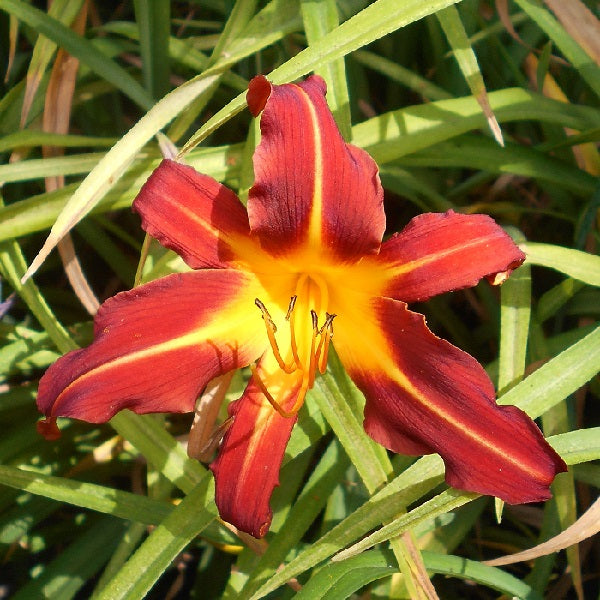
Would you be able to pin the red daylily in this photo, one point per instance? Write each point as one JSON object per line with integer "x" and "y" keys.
{"x": 271, "y": 285}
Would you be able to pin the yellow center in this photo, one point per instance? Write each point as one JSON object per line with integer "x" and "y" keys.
{"x": 310, "y": 329}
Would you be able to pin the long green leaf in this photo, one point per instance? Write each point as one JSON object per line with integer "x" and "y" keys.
{"x": 574, "y": 263}
{"x": 337, "y": 581}
{"x": 449, "y": 19}
{"x": 142, "y": 570}
{"x": 154, "y": 23}
{"x": 515, "y": 314}
{"x": 372, "y": 23}
{"x": 87, "y": 495}
{"x": 79, "y": 47}
{"x": 116, "y": 161}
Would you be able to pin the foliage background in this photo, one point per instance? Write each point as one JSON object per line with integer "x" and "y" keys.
{"x": 119, "y": 511}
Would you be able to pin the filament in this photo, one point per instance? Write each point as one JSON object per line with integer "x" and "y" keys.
{"x": 314, "y": 350}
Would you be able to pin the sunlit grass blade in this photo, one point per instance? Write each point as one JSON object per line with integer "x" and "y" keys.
{"x": 116, "y": 161}
{"x": 451, "y": 23}
{"x": 515, "y": 314}
{"x": 559, "y": 377}
{"x": 186, "y": 521}
{"x": 440, "y": 504}
{"x": 319, "y": 19}
{"x": 576, "y": 264}
{"x": 375, "y": 21}
{"x": 117, "y": 503}
{"x": 340, "y": 580}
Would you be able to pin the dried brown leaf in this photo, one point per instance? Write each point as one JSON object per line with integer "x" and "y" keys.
{"x": 586, "y": 526}
{"x": 580, "y": 23}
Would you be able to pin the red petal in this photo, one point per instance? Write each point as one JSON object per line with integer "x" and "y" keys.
{"x": 425, "y": 395}
{"x": 440, "y": 252}
{"x": 193, "y": 214}
{"x": 157, "y": 346}
{"x": 247, "y": 468}
{"x": 311, "y": 188}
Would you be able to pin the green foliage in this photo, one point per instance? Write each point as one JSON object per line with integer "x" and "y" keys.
{"x": 119, "y": 510}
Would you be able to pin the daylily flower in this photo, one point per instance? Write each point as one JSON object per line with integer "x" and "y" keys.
{"x": 269, "y": 287}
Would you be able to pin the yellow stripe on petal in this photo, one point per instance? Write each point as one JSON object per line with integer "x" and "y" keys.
{"x": 157, "y": 346}
{"x": 425, "y": 395}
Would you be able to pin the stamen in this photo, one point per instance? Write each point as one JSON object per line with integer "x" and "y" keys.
{"x": 271, "y": 329}
{"x": 293, "y": 344}
{"x": 313, "y": 356}
{"x": 263, "y": 388}
{"x": 290, "y": 309}
{"x": 326, "y": 333}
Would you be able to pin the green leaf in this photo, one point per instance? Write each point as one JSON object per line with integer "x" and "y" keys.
{"x": 87, "y": 495}
{"x": 160, "y": 449}
{"x": 320, "y": 17}
{"x": 79, "y": 47}
{"x": 303, "y": 512}
{"x": 12, "y": 267}
{"x": 64, "y": 11}
{"x": 574, "y": 263}
{"x": 118, "y": 158}
{"x": 559, "y": 377}
{"x": 395, "y": 72}
{"x": 154, "y": 23}
{"x": 392, "y": 135}
{"x": 515, "y": 314}
{"x": 37, "y": 168}
{"x": 29, "y": 138}
{"x": 372, "y": 23}
{"x": 195, "y": 512}
{"x": 341, "y": 580}
{"x": 77, "y": 563}
{"x": 467, "y": 61}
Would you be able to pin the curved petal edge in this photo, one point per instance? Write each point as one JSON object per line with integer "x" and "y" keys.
{"x": 442, "y": 252}
{"x": 156, "y": 347}
{"x": 428, "y": 396}
{"x": 247, "y": 467}
{"x": 311, "y": 189}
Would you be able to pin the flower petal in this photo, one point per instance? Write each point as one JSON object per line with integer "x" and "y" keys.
{"x": 440, "y": 252}
{"x": 311, "y": 188}
{"x": 193, "y": 214}
{"x": 425, "y": 395}
{"x": 157, "y": 346}
{"x": 247, "y": 468}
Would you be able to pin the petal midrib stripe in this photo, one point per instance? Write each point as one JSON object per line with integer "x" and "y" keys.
{"x": 407, "y": 267}
{"x": 315, "y": 233}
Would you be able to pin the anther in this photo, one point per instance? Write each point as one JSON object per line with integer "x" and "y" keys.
{"x": 326, "y": 333}
{"x": 290, "y": 309}
{"x": 271, "y": 329}
{"x": 265, "y": 314}
{"x": 315, "y": 320}
{"x": 328, "y": 323}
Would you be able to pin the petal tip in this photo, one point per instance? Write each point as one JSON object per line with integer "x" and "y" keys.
{"x": 259, "y": 90}
{"x": 49, "y": 429}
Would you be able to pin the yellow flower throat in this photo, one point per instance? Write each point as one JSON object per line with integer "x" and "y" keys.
{"x": 308, "y": 339}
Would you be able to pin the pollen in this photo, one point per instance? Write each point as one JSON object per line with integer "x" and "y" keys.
{"x": 308, "y": 348}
